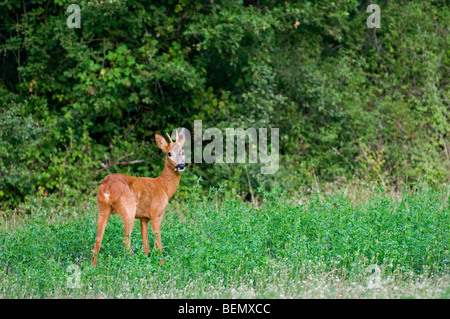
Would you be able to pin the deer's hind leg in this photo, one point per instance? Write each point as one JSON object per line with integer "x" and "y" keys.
{"x": 104, "y": 211}
{"x": 126, "y": 208}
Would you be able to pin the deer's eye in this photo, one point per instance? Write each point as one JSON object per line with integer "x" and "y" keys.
{"x": 170, "y": 154}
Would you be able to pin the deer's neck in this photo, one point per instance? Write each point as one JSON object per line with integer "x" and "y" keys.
{"x": 169, "y": 179}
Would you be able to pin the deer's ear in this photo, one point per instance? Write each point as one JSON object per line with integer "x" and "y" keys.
{"x": 181, "y": 137}
{"x": 161, "y": 142}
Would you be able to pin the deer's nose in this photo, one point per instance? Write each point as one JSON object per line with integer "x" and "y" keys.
{"x": 180, "y": 166}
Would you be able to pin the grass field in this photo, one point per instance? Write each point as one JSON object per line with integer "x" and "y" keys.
{"x": 218, "y": 246}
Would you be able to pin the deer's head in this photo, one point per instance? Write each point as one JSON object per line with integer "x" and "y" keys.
{"x": 174, "y": 150}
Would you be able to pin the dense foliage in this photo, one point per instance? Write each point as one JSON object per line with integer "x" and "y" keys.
{"x": 350, "y": 101}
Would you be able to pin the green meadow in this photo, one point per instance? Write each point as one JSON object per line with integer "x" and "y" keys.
{"x": 317, "y": 245}
{"x": 359, "y": 123}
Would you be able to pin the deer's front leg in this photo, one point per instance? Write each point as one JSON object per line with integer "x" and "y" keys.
{"x": 144, "y": 232}
{"x": 156, "y": 227}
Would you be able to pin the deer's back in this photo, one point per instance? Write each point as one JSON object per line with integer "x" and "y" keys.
{"x": 146, "y": 192}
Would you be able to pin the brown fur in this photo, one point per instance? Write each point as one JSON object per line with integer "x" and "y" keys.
{"x": 139, "y": 197}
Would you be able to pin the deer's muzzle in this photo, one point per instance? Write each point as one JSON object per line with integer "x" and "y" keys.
{"x": 180, "y": 167}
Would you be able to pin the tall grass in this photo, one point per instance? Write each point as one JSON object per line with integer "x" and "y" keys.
{"x": 220, "y": 247}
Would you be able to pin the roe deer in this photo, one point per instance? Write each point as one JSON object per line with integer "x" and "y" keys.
{"x": 141, "y": 197}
